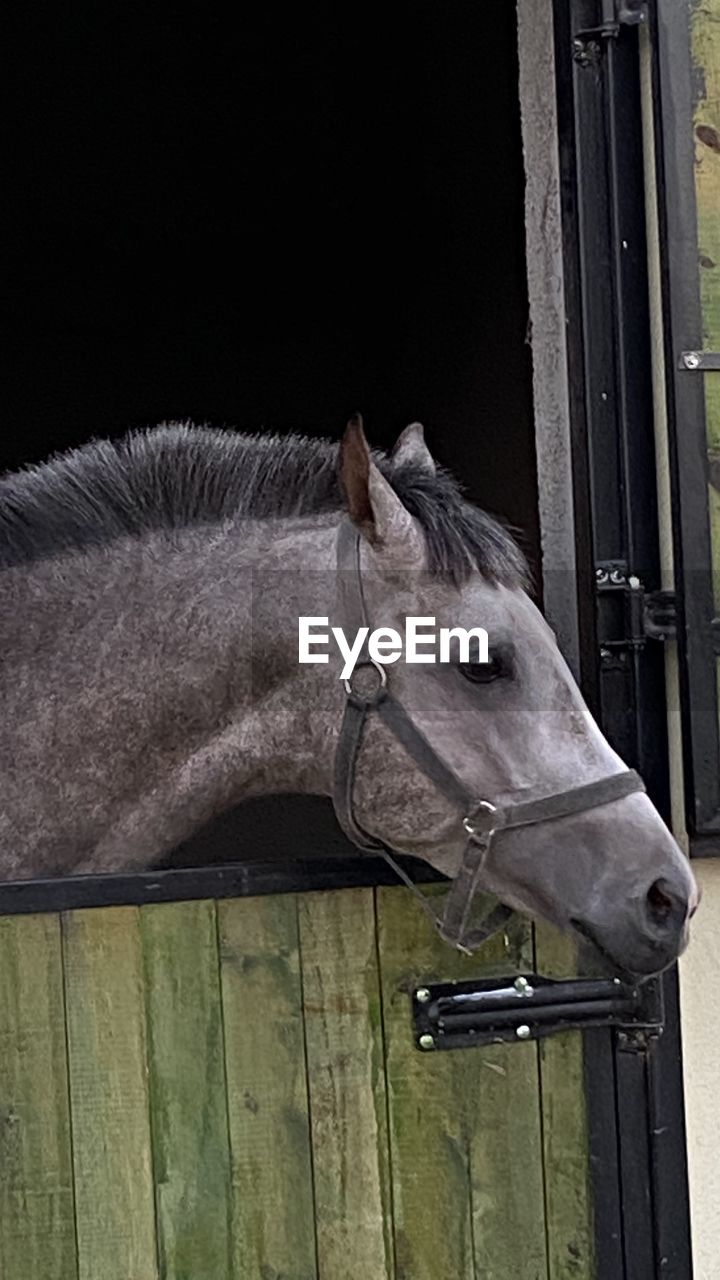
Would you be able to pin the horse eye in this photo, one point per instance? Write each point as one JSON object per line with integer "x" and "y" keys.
{"x": 485, "y": 672}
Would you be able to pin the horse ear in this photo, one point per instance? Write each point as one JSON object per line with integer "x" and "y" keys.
{"x": 354, "y": 474}
{"x": 410, "y": 447}
{"x": 372, "y": 503}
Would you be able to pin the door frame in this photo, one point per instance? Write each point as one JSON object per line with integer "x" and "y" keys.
{"x": 587, "y": 269}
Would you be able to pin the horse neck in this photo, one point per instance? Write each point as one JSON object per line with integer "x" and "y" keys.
{"x": 231, "y": 618}
{"x": 172, "y": 669}
{"x": 290, "y": 711}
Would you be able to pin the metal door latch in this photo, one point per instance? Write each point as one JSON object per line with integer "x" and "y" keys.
{"x": 628, "y": 615}
{"x": 589, "y": 43}
{"x": 459, "y": 1015}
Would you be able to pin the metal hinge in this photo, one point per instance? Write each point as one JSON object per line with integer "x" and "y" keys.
{"x": 628, "y": 615}
{"x": 589, "y": 43}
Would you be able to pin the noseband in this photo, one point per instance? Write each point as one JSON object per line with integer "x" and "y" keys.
{"x": 367, "y": 691}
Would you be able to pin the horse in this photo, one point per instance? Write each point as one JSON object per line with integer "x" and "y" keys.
{"x": 152, "y": 591}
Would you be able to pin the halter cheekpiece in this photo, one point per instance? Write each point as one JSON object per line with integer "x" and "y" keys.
{"x": 367, "y": 691}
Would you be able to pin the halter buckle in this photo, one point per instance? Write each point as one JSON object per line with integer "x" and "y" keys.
{"x": 480, "y": 822}
{"x": 376, "y": 693}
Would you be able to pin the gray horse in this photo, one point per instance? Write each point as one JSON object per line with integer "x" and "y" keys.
{"x": 150, "y": 677}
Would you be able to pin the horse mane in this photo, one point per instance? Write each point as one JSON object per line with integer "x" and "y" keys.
{"x": 178, "y": 475}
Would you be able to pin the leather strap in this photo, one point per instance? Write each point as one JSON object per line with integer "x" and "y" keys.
{"x": 394, "y": 715}
{"x": 346, "y": 755}
{"x": 562, "y": 804}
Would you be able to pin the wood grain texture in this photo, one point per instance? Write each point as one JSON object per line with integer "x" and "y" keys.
{"x": 190, "y": 1143}
{"x": 37, "y": 1224}
{"x": 272, "y": 1188}
{"x": 279, "y": 1123}
{"x": 705, "y": 34}
{"x": 706, "y": 55}
{"x": 109, "y": 1096}
{"x": 465, "y": 1125}
{"x": 565, "y": 1129}
{"x": 348, "y": 1108}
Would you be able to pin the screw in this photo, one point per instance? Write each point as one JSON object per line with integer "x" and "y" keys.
{"x": 586, "y": 53}
{"x": 691, "y": 360}
{"x": 601, "y": 575}
{"x": 522, "y": 1032}
{"x": 426, "y": 1042}
{"x": 523, "y": 988}
{"x": 606, "y": 655}
{"x": 422, "y": 995}
{"x": 617, "y": 577}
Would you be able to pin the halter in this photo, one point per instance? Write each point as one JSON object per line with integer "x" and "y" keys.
{"x": 482, "y": 819}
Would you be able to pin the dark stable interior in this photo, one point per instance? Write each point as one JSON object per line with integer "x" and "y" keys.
{"x": 270, "y": 220}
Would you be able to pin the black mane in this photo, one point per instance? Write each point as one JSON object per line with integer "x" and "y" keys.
{"x": 176, "y": 476}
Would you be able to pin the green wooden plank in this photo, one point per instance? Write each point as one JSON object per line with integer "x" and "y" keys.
{"x": 705, "y": 32}
{"x": 187, "y": 1089}
{"x": 465, "y": 1125}
{"x": 108, "y": 1095}
{"x": 273, "y": 1210}
{"x": 705, "y": 36}
{"x": 37, "y": 1224}
{"x": 348, "y": 1107}
{"x": 565, "y": 1129}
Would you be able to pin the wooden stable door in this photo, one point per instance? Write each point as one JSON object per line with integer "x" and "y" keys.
{"x": 231, "y": 1091}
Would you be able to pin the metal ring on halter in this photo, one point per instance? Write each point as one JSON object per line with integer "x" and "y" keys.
{"x": 367, "y": 662}
{"x": 480, "y": 821}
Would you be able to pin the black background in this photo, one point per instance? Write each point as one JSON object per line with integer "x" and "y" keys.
{"x": 270, "y": 219}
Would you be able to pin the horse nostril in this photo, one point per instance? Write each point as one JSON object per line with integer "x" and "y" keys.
{"x": 664, "y": 905}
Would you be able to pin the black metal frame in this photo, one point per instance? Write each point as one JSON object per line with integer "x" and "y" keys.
{"x": 634, "y": 1096}
{"x": 697, "y": 629}
{"x": 235, "y": 880}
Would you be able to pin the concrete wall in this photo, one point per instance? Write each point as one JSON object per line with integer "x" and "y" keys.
{"x": 546, "y": 298}
{"x": 700, "y": 1005}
